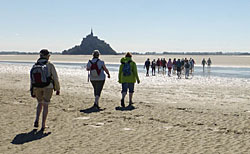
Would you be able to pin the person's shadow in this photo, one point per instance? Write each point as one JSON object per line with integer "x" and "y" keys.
{"x": 29, "y": 137}
{"x": 92, "y": 109}
{"x": 127, "y": 108}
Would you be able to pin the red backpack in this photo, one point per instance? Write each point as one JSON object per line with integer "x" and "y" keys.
{"x": 94, "y": 70}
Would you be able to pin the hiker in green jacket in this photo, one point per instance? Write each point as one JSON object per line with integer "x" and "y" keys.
{"x": 127, "y": 77}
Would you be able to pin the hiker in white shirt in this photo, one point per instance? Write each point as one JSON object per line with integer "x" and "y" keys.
{"x": 97, "y": 75}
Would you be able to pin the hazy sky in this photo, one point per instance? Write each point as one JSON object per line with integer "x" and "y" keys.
{"x": 127, "y": 25}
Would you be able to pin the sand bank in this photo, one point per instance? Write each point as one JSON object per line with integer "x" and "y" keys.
{"x": 220, "y": 60}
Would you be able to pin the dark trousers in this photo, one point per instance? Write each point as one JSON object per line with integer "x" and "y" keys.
{"x": 147, "y": 68}
{"x": 98, "y": 85}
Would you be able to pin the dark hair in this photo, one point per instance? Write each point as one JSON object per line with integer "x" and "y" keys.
{"x": 44, "y": 52}
{"x": 96, "y": 53}
{"x": 128, "y": 54}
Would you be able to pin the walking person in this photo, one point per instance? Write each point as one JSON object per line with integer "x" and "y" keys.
{"x": 174, "y": 66}
{"x": 169, "y": 65}
{"x": 153, "y": 65}
{"x": 164, "y": 63}
{"x": 44, "y": 80}
{"x": 97, "y": 77}
{"x": 209, "y": 62}
{"x": 182, "y": 65}
{"x": 192, "y": 62}
{"x": 187, "y": 67}
{"x": 178, "y": 65}
{"x": 127, "y": 77}
{"x": 203, "y": 62}
{"x": 158, "y": 62}
{"x": 147, "y": 65}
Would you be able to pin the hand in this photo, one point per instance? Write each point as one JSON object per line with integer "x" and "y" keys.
{"x": 108, "y": 75}
{"x": 33, "y": 96}
{"x": 138, "y": 81}
{"x": 57, "y": 92}
{"x": 32, "y": 93}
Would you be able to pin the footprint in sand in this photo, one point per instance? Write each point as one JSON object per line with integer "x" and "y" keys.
{"x": 82, "y": 118}
{"x": 18, "y": 103}
{"x": 97, "y": 125}
{"x": 127, "y": 129}
{"x": 168, "y": 127}
{"x": 100, "y": 124}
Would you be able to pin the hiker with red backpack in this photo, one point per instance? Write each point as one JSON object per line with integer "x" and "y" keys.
{"x": 127, "y": 77}
{"x": 97, "y": 76}
{"x": 44, "y": 80}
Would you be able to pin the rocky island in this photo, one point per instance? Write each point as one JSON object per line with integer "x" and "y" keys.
{"x": 89, "y": 44}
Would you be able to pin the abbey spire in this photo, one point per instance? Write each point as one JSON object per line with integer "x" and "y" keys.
{"x": 91, "y": 32}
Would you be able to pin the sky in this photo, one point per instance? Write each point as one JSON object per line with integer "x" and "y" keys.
{"x": 127, "y": 25}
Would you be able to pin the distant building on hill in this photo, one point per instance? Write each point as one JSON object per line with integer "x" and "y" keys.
{"x": 89, "y": 44}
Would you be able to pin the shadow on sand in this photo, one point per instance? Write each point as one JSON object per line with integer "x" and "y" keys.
{"x": 29, "y": 137}
{"x": 127, "y": 108}
{"x": 92, "y": 109}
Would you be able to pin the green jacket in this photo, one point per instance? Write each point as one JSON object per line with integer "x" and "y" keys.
{"x": 134, "y": 75}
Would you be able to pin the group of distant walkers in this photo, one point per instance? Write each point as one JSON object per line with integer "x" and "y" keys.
{"x": 204, "y": 62}
{"x": 44, "y": 80}
{"x": 179, "y": 66}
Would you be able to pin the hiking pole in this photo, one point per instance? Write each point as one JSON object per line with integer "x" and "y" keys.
{"x": 84, "y": 67}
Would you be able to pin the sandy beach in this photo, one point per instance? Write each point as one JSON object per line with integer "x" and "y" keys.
{"x": 200, "y": 115}
{"x": 219, "y": 60}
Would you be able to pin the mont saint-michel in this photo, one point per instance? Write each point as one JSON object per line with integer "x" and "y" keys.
{"x": 89, "y": 44}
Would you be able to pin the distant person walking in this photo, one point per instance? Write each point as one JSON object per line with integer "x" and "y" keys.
{"x": 153, "y": 65}
{"x": 158, "y": 62}
{"x": 182, "y": 65}
{"x": 169, "y": 65}
{"x": 127, "y": 77}
{"x": 187, "y": 67}
{"x": 203, "y": 62}
{"x": 209, "y": 62}
{"x": 192, "y": 62}
{"x": 97, "y": 76}
{"x": 164, "y": 65}
{"x": 44, "y": 80}
{"x": 174, "y": 66}
{"x": 147, "y": 65}
{"x": 178, "y": 65}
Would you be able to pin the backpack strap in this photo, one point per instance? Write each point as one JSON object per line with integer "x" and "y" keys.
{"x": 43, "y": 63}
{"x": 94, "y": 62}
{"x": 127, "y": 62}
